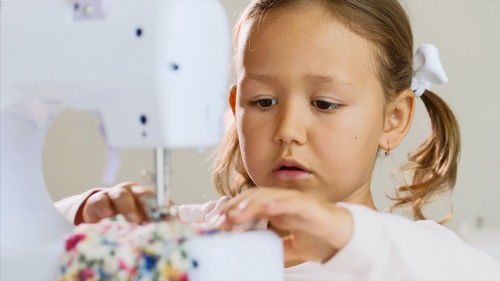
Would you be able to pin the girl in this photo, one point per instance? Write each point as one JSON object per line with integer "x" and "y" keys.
{"x": 322, "y": 86}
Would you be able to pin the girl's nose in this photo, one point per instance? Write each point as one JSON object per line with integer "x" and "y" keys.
{"x": 290, "y": 126}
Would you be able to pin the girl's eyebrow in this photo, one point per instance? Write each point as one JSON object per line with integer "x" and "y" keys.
{"x": 312, "y": 78}
{"x": 261, "y": 78}
{"x": 320, "y": 79}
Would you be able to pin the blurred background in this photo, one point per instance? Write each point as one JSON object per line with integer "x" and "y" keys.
{"x": 467, "y": 34}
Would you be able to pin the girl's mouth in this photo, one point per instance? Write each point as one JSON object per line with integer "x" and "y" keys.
{"x": 291, "y": 173}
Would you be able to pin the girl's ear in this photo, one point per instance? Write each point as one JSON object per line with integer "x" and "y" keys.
{"x": 232, "y": 98}
{"x": 398, "y": 119}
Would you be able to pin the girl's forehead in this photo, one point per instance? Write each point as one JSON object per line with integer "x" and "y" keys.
{"x": 303, "y": 41}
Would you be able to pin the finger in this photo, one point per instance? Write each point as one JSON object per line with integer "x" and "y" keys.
{"x": 135, "y": 189}
{"x": 223, "y": 224}
{"x": 281, "y": 208}
{"x": 236, "y": 202}
{"x": 257, "y": 205}
{"x": 138, "y": 192}
{"x": 123, "y": 202}
{"x": 284, "y": 223}
{"x": 97, "y": 207}
{"x": 170, "y": 202}
{"x": 126, "y": 183}
{"x": 286, "y": 213}
{"x": 244, "y": 208}
{"x": 325, "y": 221}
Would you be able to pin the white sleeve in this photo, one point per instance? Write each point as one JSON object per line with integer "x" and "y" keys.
{"x": 391, "y": 247}
{"x": 69, "y": 206}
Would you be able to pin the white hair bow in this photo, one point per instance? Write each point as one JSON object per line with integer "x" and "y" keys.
{"x": 427, "y": 69}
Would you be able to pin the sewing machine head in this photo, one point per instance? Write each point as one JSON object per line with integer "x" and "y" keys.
{"x": 154, "y": 72}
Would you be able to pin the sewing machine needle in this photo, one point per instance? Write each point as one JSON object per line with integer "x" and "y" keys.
{"x": 162, "y": 175}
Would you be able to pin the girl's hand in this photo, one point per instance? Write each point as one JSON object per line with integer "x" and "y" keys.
{"x": 315, "y": 229}
{"x": 123, "y": 198}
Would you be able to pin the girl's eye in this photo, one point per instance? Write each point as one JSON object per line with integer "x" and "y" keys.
{"x": 264, "y": 103}
{"x": 324, "y": 105}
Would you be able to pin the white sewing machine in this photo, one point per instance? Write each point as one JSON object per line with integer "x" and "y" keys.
{"x": 154, "y": 72}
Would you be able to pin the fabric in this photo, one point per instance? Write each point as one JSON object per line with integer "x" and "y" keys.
{"x": 382, "y": 247}
{"x": 114, "y": 249}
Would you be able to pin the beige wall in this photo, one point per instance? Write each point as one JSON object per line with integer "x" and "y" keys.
{"x": 467, "y": 34}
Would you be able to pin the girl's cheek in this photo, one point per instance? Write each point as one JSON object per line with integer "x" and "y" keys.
{"x": 256, "y": 157}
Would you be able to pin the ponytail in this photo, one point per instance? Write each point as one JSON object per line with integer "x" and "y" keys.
{"x": 434, "y": 163}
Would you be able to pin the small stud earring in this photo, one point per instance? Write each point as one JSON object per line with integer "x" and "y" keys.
{"x": 387, "y": 153}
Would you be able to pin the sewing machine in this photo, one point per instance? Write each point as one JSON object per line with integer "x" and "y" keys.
{"x": 154, "y": 73}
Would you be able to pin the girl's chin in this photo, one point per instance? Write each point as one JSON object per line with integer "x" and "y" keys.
{"x": 300, "y": 185}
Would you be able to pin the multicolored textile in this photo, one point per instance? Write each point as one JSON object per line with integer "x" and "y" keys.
{"x": 114, "y": 249}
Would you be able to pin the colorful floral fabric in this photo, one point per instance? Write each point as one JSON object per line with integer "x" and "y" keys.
{"x": 114, "y": 249}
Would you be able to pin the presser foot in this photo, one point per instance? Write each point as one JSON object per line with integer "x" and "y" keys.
{"x": 159, "y": 213}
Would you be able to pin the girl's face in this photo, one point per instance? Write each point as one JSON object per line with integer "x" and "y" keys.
{"x": 308, "y": 105}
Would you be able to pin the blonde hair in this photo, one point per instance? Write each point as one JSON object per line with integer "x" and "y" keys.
{"x": 432, "y": 165}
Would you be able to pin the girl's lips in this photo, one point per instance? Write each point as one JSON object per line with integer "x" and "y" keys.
{"x": 291, "y": 174}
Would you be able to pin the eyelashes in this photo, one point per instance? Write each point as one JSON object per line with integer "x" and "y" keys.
{"x": 321, "y": 105}
{"x": 324, "y": 105}
{"x": 264, "y": 103}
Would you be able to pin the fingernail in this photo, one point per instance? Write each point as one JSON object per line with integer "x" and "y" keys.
{"x": 243, "y": 205}
{"x": 132, "y": 217}
{"x": 219, "y": 221}
{"x": 141, "y": 189}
